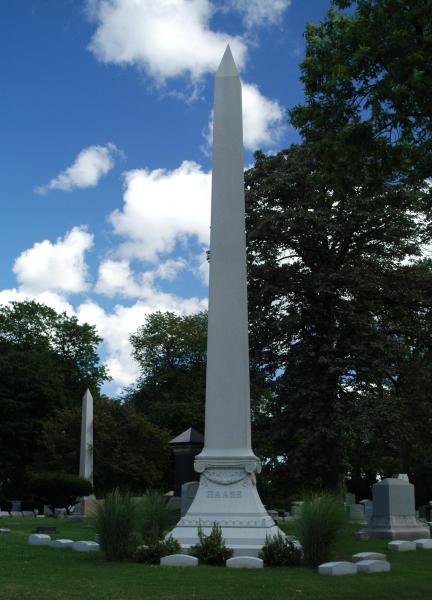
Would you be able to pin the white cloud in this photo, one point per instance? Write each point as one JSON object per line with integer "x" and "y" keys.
{"x": 58, "y": 266}
{"x": 116, "y": 327}
{"x": 90, "y": 165}
{"x": 163, "y": 207}
{"x": 262, "y": 118}
{"x": 55, "y": 301}
{"x": 166, "y": 38}
{"x": 263, "y": 123}
{"x": 260, "y": 12}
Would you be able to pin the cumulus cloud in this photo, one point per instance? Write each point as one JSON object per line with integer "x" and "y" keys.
{"x": 263, "y": 123}
{"x": 117, "y": 326}
{"x": 52, "y": 299}
{"x": 162, "y": 207}
{"x": 58, "y": 266}
{"x": 90, "y": 165}
{"x": 260, "y": 12}
{"x": 167, "y": 38}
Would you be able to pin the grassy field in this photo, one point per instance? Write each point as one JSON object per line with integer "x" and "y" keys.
{"x": 43, "y": 573}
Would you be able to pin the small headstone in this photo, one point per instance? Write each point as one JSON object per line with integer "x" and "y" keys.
{"x": 61, "y": 544}
{"x": 368, "y": 508}
{"x": 85, "y": 546}
{"x": 401, "y": 546}
{"x": 179, "y": 560}
{"x": 245, "y": 562}
{"x": 59, "y": 513}
{"x": 47, "y": 511}
{"x": 356, "y": 512}
{"x": 16, "y": 513}
{"x": 338, "y": 568}
{"x": 403, "y": 476}
{"x": 4, "y": 513}
{"x": 28, "y": 513}
{"x": 273, "y": 514}
{"x": 39, "y": 539}
{"x": 368, "y": 556}
{"x": 5, "y": 530}
{"x": 423, "y": 544}
{"x": 373, "y": 566}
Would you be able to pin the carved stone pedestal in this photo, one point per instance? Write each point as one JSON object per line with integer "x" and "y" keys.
{"x": 227, "y": 495}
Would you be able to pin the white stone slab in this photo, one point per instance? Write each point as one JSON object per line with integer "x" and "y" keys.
{"x": 179, "y": 560}
{"x": 373, "y": 566}
{"x": 28, "y": 513}
{"x": 368, "y": 556}
{"x": 337, "y": 568}
{"x": 401, "y": 546}
{"x": 245, "y": 562}
{"x": 61, "y": 543}
{"x": 39, "y": 539}
{"x": 16, "y": 513}
{"x": 4, "y": 513}
{"x": 423, "y": 544}
{"x": 5, "y": 530}
{"x": 85, "y": 546}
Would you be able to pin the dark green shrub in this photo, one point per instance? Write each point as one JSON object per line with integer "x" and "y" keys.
{"x": 154, "y": 516}
{"x": 58, "y": 490}
{"x": 152, "y": 552}
{"x": 279, "y": 551}
{"x": 320, "y": 520}
{"x": 211, "y": 549}
{"x": 115, "y": 520}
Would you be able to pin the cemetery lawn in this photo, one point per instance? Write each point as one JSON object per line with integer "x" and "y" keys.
{"x": 56, "y": 574}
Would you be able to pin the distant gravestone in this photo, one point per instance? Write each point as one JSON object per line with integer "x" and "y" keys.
{"x": 356, "y": 512}
{"x": 85, "y": 546}
{"x": 61, "y": 544}
{"x": 179, "y": 560}
{"x": 337, "y": 568}
{"x": 394, "y": 514}
{"x": 39, "y": 539}
{"x": 245, "y": 562}
{"x": 373, "y": 566}
{"x": 368, "y": 556}
{"x": 368, "y": 508}
{"x": 423, "y": 544}
{"x": 188, "y": 493}
{"x": 401, "y": 546}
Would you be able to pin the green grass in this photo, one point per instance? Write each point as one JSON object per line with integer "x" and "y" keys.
{"x": 55, "y": 574}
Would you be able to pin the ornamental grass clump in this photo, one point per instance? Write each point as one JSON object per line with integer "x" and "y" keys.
{"x": 211, "y": 549}
{"x": 154, "y": 516}
{"x": 280, "y": 551}
{"x": 115, "y": 519}
{"x": 320, "y": 520}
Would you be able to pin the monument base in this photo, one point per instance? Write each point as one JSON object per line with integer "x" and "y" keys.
{"x": 227, "y": 495}
{"x": 397, "y": 528}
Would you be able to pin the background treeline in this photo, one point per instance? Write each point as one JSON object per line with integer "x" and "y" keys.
{"x": 340, "y": 296}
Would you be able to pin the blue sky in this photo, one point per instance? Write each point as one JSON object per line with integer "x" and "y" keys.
{"x": 105, "y": 158}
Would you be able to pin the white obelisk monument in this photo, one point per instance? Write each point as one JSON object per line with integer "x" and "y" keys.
{"x": 86, "y": 449}
{"x": 227, "y": 492}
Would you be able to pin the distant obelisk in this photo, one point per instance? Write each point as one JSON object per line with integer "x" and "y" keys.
{"x": 86, "y": 449}
{"x": 227, "y": 492}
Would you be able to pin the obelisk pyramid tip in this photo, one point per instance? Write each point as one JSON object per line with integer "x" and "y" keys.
{"x": 227, "y": 67}
{"x": 87, "y": 394}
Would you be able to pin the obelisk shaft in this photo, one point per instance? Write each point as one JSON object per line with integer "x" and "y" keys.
{"x": 86, "y": 450}
{"x": 227, "y": 415}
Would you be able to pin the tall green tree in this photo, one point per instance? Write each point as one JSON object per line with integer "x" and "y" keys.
{"x": 320, "y": 264}
{"x": 128, "y": 451}
{"x": 171, "y": 352}
{"x": 47, "y": 360}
